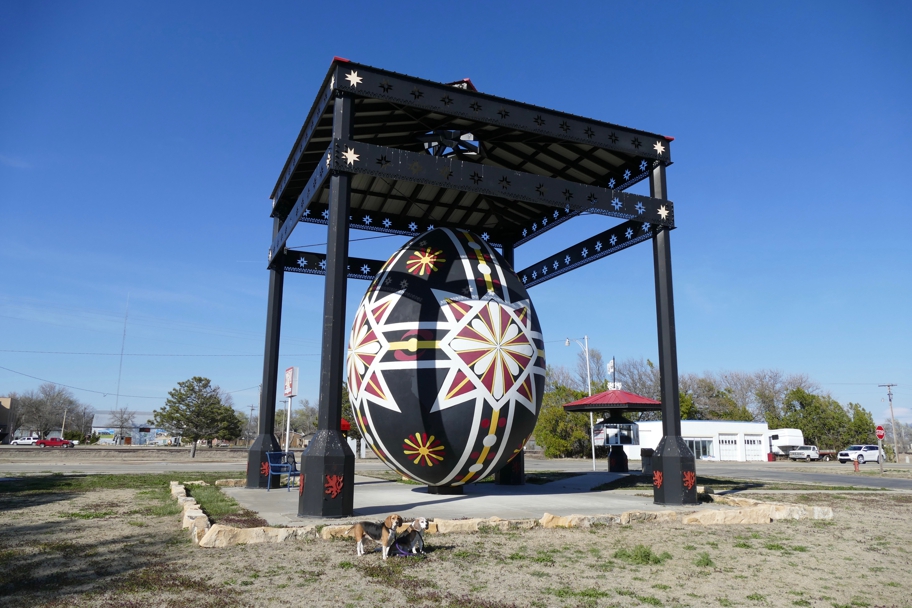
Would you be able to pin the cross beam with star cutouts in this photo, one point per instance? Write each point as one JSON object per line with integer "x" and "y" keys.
{"x": 381, "y": 161}
{"x": 587, "y": 251}
{"x": 308, "y": 262}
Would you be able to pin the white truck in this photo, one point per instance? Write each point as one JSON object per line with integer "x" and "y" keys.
{"x": 805, "y": 452}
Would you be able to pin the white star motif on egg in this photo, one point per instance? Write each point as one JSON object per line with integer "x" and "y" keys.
{"x": 353, "y": 79}
{"x": 350, "y": 156}
{"x": 659, "y": 148}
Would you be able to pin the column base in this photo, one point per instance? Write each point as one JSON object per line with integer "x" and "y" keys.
{"x": 445, "y": 490}
{"x": 513, "y": 473}
{"x": 256, "y": 461}
{"x": 674, "y": 476}
{"x": 327, "y": 477}
{"x": 617, "y": 460}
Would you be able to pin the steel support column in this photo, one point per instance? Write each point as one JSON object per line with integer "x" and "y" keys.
{"x": 328, "y": 464}
{"x": 514, "y": 472}
{"x": 265, "y": 440}
{"x": 674, "y": 472}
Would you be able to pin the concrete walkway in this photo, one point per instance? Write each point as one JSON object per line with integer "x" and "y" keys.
{"x": 375, "y": 499}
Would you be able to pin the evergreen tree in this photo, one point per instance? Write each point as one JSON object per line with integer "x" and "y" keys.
{"x": 196, "y": 410}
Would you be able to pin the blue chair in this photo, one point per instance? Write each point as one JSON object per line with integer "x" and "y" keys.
{"x": 281, "y": 463}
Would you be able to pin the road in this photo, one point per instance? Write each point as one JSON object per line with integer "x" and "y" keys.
{"x": 25, "y": 460}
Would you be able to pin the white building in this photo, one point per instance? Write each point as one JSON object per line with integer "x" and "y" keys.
{"x": 721, "y": 439}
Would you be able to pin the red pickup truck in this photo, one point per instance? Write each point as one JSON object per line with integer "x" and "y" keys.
{"x": 54, "y": 442}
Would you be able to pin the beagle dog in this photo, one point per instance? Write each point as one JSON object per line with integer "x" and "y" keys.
{"x": 411, "y": 540}
{"x": 383, "y": 533}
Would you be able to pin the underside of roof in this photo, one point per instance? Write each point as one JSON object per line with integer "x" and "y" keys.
{"x": 489, "y": 151}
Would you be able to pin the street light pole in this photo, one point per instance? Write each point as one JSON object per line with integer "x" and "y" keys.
{"x": 63, "y": 426}
{"x": 589, "y": 387}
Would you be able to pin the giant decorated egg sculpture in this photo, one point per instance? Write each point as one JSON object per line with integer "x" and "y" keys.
{"x": 446, "y": 364}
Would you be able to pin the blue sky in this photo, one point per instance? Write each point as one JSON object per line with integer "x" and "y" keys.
{"x": 139, "y": 143}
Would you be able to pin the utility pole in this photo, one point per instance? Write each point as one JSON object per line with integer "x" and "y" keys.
{"x": 892, "y": 419}
{"x": 248, "y": 424}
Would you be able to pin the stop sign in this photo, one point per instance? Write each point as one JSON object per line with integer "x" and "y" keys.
{"x": 879, "y": 431}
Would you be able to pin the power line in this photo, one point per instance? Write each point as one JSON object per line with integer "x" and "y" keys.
{"x": 61, "y": 352}
{"x": 102, "y": 393}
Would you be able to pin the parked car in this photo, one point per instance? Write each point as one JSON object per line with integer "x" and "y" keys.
{"x": 805, "y": 452}
{"x": 54, "y": 442}
{"x": 861, "y": 453}
{"x": 24, "y": 441}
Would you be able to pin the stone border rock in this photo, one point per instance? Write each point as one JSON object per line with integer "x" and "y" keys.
{"x": 749, "y": 511}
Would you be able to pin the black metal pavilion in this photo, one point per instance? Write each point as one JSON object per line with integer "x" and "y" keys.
{"x": 385, "y": 152}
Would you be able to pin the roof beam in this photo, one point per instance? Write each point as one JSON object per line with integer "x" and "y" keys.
{"x": 595, "y": 248}
{"x": 496, "y": 182}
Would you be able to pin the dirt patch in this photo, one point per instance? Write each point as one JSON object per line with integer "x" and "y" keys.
{"x": 136, "y": 555}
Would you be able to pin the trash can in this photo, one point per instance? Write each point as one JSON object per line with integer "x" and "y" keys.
{"x": 770, "y": 457}
{"x": 646, "y": 456}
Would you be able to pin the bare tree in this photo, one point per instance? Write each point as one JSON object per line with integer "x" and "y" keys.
{"x": 640, "y": 377}
{"x": 122, "y": 418}
{"x": 558, "y": 376}
{"x": 597, "y": 370}
{"x": 81, "y": 418}
{"x": 42, "y": 410}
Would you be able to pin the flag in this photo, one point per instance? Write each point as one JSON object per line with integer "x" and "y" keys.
{"x": 611, "y": 366}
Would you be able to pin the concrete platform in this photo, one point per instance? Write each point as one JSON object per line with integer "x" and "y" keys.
{"x": 375, "y": 499}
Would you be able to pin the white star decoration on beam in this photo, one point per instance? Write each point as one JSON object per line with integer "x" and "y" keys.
{"x": 640, "y": 208}
{"x": 663, "y": 212}
{"x": 325, "y": 214}
{"x": 659, "y": 148}
{"x": 525, "y": 279}
{"x": 627, "y": 174}
{"x": 585, "y": 251}
{"x": 629, "y": 233}
{"x": 322, "y": 264}
{"x": 302, "y": 262}
{"x": 367, "y": 220}
{"x": 556, "y": 264}
{"x": 387, "y": 223}
{"x": 350, "y": 156}
{"x": 616, "y": 203}
{"x": 484, "y": 235}
{"x": 365, "y": 269}
{"x": 567, "y": 260}
{"x": 611, "y": 183}
{"x": 598, "y": 245}
{"x": 353, "y": 79}
{"x": 643, "y": 165}
{"x": 613, "y": 240}
{"x": 646, "y": 227}
{"x": 413, "y": 226}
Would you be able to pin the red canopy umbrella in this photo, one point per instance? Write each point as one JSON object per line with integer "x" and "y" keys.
{"x": 614, "y": 400}
{"x": 345, "y": 425}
